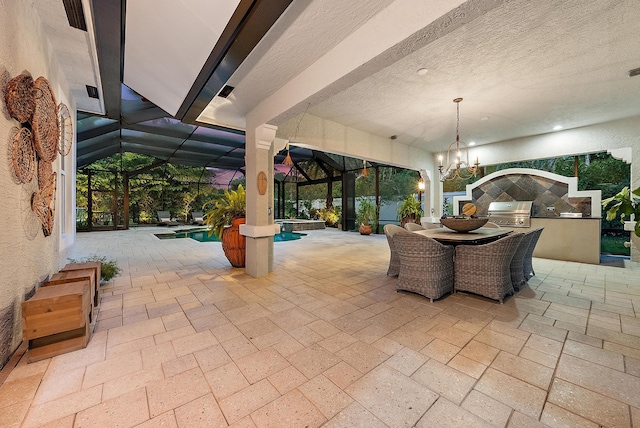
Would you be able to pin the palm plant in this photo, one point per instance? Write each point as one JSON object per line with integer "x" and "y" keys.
{"x": 220, "y": 212}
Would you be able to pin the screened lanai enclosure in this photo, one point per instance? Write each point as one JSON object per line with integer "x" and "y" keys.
{"x": 146, "y": 161}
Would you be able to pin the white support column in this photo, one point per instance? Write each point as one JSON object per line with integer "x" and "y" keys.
{"x": 429, "y": 215}
{"x": 259, "y": 228}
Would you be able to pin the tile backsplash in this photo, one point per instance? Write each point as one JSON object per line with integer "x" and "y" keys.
{"x": 544, "y": 192}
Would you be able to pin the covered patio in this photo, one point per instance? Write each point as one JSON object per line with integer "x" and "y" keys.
{"x": 313, "y": 332}
{"x": 182, "y": 339}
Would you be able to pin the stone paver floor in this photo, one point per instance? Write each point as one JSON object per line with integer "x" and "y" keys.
{"x": 182, "y": 339}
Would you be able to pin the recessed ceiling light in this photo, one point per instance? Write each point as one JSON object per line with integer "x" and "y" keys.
{"x": 484, "y": 118}
{"x": 557, "y": 127}
{"x": 422, "y": 71}
{"x": 472, "y": 143}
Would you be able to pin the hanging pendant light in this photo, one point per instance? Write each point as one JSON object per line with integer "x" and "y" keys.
{"x": 458, "y": 165}
{"x": 287, "y": 160}
{"x": 364, "y": 169}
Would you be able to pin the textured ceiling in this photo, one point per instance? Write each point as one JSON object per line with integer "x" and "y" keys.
{"x": 306, "y": 31}
{"x": 526, "y": 66}
{"x": 522, "y": 67}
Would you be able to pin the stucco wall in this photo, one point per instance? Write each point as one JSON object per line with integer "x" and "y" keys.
{"x": 26, "y": 256}
{"x": 589, "y": 139}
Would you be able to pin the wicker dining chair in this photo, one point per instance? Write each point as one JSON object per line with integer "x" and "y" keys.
{"x": 527, "y": 263}
{"x": 486, "y": 269}
{"x": 412, "y": 227}
{"x": 394, "y": 262}
{"x": 517, "y": 263}
{"x": 426, "y": 266}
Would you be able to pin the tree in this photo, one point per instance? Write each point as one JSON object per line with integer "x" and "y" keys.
{"x": 176, "y": 188}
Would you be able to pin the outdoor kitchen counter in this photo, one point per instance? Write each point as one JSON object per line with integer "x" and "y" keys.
{"x": 571, "y": 239}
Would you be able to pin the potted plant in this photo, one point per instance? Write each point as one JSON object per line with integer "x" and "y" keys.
{"x": 625, "y": 204}
{"x": 366, "y": 214}
{"x": 224, "y": 216}
{"x": 410, "y": 211}
{"x": 108, "y": 268}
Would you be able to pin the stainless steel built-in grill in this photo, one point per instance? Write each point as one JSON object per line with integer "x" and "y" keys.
{"x": 511, "y": 214}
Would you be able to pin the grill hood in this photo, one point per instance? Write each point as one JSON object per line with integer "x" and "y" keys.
{"x": 512, "y": 213}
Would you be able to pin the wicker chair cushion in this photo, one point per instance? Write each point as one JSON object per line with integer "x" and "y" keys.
{"x": 486, "y": 269}
{"x": 426, "y": 266}
{"x": 527, "y": 264}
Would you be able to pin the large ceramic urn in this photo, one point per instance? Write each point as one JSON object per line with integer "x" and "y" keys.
{"x": 233, "y": 243}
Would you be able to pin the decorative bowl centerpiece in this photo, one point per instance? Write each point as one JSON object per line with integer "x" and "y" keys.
{"x": 463, "y": 224}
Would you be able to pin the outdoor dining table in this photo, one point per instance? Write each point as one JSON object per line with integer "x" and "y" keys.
{"x": 483, "y": 235}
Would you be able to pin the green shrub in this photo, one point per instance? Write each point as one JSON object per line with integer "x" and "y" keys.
{"x": 109, "y": 269}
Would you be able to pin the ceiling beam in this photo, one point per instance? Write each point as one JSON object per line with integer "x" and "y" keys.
{"x": 218, "y": 127}
{"x": 83, "y": 149}
{"x": 164, "y": 144}
{"x": 200, "y": 158}
{"x": 249, "y": 23}
{"x": 177, "y": 133}
{"x": 144, "y": 115}
{"x": 327, "y": 160}
{"x": 83, "y": 161}
{"x": 108, "y": 16}
{"x": 96, "y": 132}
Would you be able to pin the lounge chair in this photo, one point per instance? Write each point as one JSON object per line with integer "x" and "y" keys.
{"x": 164, "y": 219}
{"x": 197, "y": 218}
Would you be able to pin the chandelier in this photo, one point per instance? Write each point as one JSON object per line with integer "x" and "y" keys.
{"x": 458, "y": 165}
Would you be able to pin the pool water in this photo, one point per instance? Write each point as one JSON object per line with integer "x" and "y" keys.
{"x": 202, "y": 235}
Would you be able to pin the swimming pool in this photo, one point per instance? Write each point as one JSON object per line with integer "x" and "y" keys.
{"x": 202, "y": 235}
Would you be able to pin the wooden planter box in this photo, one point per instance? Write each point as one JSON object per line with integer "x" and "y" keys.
{"x": 56, "y": 319}
{"x": 95, "y": 266}
{"x": 79, "y": 275}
